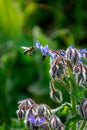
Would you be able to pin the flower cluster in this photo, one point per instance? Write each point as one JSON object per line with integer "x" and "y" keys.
{"x": 62, "y": 61}
{"x": 67, "y": 68}
{"x": 38, "y": 116}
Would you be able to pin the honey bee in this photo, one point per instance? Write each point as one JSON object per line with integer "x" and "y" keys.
{"x": 28, "y": 50}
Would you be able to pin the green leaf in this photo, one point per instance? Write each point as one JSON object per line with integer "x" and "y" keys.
{"x": 79, "y": 93}
{"x": 17, "y": 125}
{"x": 72, "y": 121}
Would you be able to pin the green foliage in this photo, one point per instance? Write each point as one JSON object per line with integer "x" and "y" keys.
{"x": 71, "y": 122}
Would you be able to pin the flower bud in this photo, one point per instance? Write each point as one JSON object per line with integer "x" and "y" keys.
{"x": 69, "y": 53}
{"x": 44, "y": 109}
{"x": 76, "y": 57}
{"x": 54, "y": 71}
{"x": 80, "y": 78}
{"x": 61, "y": 70}
{"x": 56, "y": 123}
{"x": 25, "y": 104}
{"x": 72, "y": 55}
{"x": 83, "y": 108}
{"x": 55, "y": 94}
{"x": 27, "y": 124}
{"x": 20, "y": 114}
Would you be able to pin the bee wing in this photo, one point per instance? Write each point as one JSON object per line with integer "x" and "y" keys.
{"x": 25, "y": 48}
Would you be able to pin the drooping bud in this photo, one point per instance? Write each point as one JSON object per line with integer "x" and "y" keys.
{"x": 32, "y": 110}
{"x": 73, "y": 55}
{"x": 61, "y": 70}
{"x": 81, "y": 76}
{"x": 75, "y": 58}
{"x": 69, "y": 53}
{"x": 56, "y": 123}
{"x": 54, "y": 71}
{"x": 83, "y": 108}
{"x": 44, "y": 109}
{"x": 25, "y": 104}
{"x": 20, "y": 114}
{"x": 27, "y": 124}
{"x": 55, "y": 94}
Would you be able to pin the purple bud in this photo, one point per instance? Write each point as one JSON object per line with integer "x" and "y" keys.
{"x": 81, "y": 75}
{"x": 69, "y": 53}
{"x": 56, "y": 123}
{"x": 83, "y": 108}
{"x": 54, "y": 71}
{"x": 73, "y": 55}
{"x": 20, "y": 114}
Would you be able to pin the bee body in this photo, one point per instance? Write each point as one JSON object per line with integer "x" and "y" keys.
{"x": 28, "y": 50}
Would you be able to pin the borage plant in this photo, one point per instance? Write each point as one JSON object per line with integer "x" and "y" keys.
{"x": 67, "y": 68}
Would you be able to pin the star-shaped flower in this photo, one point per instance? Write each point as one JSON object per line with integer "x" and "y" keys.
{"x": 44, "y": 49}
{"x": 36, "y": 120}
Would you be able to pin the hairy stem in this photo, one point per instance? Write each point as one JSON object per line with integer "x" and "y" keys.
{"x": 73, "y": 102}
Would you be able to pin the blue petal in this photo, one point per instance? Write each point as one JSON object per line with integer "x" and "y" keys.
{"x": 38, "y": 45}
{"x": 46, "y": 49}
{"x": 32, "y": 119}
{"x": 82, "y": 50}
{"x": 71, "y": 47}
{"x": 62, "y": 53}
{"x": 41, "y": 120}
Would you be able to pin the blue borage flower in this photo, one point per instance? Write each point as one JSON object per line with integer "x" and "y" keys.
{"x": 36, "y": 120}
{"x": 45, "y": 50}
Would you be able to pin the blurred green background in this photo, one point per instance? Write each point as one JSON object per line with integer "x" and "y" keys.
{"x": 58, "y": 23}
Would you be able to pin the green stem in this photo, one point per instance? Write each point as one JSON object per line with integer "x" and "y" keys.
{"x": 83, "y": 124}
{"x": 73, "y": 102}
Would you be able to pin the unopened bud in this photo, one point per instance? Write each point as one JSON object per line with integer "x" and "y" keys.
{"x": 54, "y": 71}
{"x": 20, "y": 114}
{"x": 83, "y": 108}
{"x": 69, "y": 53}
{"x": 55, "y": 94}
{"x": 27, "y": 124}
{"x": 75, "y": 57}
{"x": 80, "y": 78}
{"x": 61, "y": 70}
{"x": 25, "y": 104}
{"x": 56, "y": 123}
{"x": 44, "y": 109}
{"x": 72, "y": 55}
